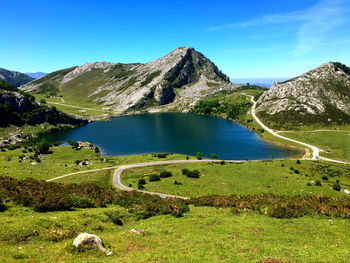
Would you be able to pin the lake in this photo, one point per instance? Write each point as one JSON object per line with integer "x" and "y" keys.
{"x": 184, "y": 133}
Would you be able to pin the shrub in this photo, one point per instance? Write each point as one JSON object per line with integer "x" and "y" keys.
{"x": 325, "y": 178}
{"x": 279, "y": 206}
{"x": 191, "y": 174}
{"x": 318, "y": 183}
{"x": 199, "y": 155}
{"x": 283, "y": 210}
{"x": 213, "y": 156}
{"x": 42, "y": 147}
{"x": 154, "y": 177}
{"x": 2, "y": 206}
{"x": 78, "y": 201}
{"x": 185, "y": 171}
{"x": 337, "y": 187}
{"x": 165, "y": 174}
{"x": 142, "y": 181}
{"x": 298, "y": 161}
{"x": 161, "y": 155}
{"x": 97, "y": 150}
{"x": 115, "y": 217}
{"x": 140, "y": 186}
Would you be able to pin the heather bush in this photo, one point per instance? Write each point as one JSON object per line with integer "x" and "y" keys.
{"x": 154, "y": 177}
{"x": 115, "y": 217}
{"x": 279, "y": 206}
{"x": 165, "y": 174}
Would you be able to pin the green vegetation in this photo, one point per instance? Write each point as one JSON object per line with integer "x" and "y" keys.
{"x": 206, "y": 234}
{"x": 292, "y": 120}
{"x": 342, "y": 67}
{"x": 234, "y": 106}
{"x": 14, "y": 78}
{"x": 276, "y": 177}
{"x": 212, "y": 228}
{"x": 336, "y": 144}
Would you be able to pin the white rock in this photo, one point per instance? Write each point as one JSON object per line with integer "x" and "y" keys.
{"x": 89, "y": 239}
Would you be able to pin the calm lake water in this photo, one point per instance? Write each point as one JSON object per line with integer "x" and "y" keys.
{"x": 174, "y": 132}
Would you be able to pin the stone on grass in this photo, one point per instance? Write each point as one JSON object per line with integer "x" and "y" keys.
{"x": 89, "y": 239}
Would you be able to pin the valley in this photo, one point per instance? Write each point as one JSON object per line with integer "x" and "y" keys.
{"x": 150, "y": 160}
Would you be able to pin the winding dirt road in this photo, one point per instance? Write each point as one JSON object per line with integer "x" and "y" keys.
{"x": 119, "y": 169}
{"x": 315, "y": 150}
{"x": 117, "y": 174}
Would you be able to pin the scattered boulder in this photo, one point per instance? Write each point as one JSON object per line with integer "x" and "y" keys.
{"x": 89, "y": 239}
{"x": 84, "y": 163}
{"x": 346, "y": 191}
{"x": 138, "y": 231}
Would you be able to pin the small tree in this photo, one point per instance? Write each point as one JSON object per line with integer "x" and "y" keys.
{"x": 199, "y": 155}
{"x": 97, "y": 150}
{"x": 213, "y": 156}
{"x": 42, "y": 147}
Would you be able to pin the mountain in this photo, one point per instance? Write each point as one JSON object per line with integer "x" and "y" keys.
{"x": 172, "y": 82}
{"x": 262, "y": 82}
{"x": 14, "y": 78}
{"x": 35, "y": 75}
{"x": 320, "y": 96}
{"x": 19, "y": 108}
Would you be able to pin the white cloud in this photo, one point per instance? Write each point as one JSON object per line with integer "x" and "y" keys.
{"x": 313, "y": 23}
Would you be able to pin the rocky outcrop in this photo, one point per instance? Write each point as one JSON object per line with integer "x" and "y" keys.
{"x": 176, "y": 79}
{"x": 93, "y": 240}
{"x": 321, "y": 95}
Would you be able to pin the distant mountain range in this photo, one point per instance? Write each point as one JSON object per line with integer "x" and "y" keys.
{"x": 172, "y": 82}
{"x": 320, "y": 96}
{"x": 36, "y": 75}
{"x": 263, "y": 82}
{"x": 14, "y": 78}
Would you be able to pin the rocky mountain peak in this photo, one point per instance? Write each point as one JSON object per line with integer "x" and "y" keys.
{"x": 323, "y": 91}
{"x": 183, "y": 75}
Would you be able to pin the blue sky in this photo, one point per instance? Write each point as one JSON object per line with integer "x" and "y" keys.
{"x": 245, "y": 39}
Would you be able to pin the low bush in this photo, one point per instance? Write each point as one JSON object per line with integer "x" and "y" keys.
{"x": 318, "y": 183}
{"x": 115, "y": 217}
{"x": 161, "y": 155}
{"x": 78, "y": 201}
{"x": 154, "y": 177}
{"x": 191, "y": 174}
{"x": 142, "y": 181}
{"x": 325, "y": 178}
{"x": 279, "y": 206}
{"x": 337, "y": 187}
{"x": 165, "y": 174}
{"x": 48, "y": 196}
{"x": 2, "y": 206}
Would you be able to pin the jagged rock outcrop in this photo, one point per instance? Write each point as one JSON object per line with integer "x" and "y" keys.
{"x": 320, "y": 96}
{"x": 14, "y": 78}
{"x": 178, "y": 78}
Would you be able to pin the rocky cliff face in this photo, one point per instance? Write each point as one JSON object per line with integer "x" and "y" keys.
{"x": 175, "y": 80}
{"x": 321, "y": 96}
{"x": 14, "y": 78}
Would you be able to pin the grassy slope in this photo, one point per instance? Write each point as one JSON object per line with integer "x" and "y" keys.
{"x": 62, "y": 161}
{"x": 204, "y": 234}
{"x": 335, "y": 141}
{"x": 244, "y": 178}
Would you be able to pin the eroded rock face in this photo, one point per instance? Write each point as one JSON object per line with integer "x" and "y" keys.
{"x": 89, "y": 239}
{"x": 181, "y": 76}
{"x": 313, "y": 93}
